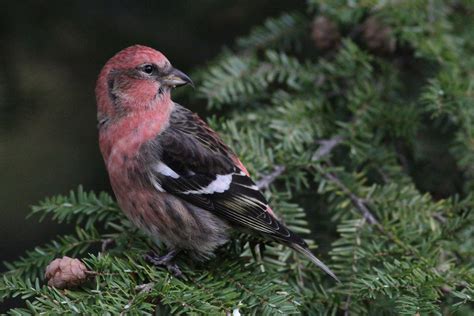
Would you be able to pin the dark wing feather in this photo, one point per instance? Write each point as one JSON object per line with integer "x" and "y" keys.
{"x": 205, "y": 174}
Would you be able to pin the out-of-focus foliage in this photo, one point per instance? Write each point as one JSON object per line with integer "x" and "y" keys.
{"x": 377, "y": 145}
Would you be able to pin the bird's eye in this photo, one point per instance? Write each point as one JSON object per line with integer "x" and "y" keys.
{"x": 148, "y": 69}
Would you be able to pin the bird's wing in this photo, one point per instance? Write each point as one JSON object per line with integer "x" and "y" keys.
{"x": 194, "y": 164}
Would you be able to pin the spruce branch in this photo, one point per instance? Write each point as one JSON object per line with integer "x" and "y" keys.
{"x": 327, "y": 145}
{"x": 284, "y": 31}
{"x": 359, "y": 203}
{"x": 264, "y": 182}
{"x": 106, "y": 243}
{"x": 141, "y": 288}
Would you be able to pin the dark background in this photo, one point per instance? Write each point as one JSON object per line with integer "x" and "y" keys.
{"x": 50, "y": 55}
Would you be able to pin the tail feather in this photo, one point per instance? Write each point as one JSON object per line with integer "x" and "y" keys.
{"x": 305, "y": 251}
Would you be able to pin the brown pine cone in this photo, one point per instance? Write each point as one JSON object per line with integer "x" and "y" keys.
{"x": 378, "y": 37}
{"x": 325, "y": 33}
{"x": 65, "y": 273}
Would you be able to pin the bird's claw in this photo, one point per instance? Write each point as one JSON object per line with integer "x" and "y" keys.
{"x": 174, "y": 269}
{"x": 164, "y": 262}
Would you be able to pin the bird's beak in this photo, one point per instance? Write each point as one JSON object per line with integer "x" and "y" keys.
{"x": 176, "y": 78}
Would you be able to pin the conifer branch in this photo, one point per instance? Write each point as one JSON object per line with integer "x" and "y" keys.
{"x": 264, "y": 182}
{"x": 327, "y": 145}
{"x": 359, "y": 203}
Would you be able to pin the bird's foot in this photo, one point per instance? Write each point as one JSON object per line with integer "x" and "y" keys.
{"x": 165, "y": 261}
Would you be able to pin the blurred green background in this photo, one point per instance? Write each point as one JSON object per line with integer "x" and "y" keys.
{"x": 51, "y": 53}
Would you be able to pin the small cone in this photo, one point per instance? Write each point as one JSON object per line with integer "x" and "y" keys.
{"x": 325, "y": 33}
{"x": 378, "y": 37}
{"x": 65, "y": 273}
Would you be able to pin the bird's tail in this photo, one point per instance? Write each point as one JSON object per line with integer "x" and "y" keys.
{"x": 305, "y": 251}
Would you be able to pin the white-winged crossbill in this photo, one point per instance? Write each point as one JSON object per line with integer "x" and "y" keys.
{"x": 171, "y": 173}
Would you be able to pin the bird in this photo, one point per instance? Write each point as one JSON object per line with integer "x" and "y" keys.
{"x": 172, "y": 175}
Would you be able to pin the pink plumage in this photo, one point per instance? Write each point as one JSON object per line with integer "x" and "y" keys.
{"x": 171, "y": 173}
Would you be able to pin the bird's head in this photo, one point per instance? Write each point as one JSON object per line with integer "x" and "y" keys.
{"x": 135, "y": 79}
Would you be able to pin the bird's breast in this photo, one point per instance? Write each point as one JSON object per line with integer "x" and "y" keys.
{"x": 124, "y": 162}
{"x": 124, "y": 137}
